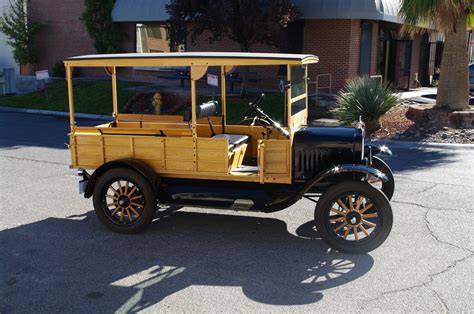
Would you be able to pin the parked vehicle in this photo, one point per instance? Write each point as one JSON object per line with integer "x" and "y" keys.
{"x": 146, "y": 162}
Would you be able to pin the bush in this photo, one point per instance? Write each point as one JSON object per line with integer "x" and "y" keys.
{"x": 59, "y": 70}
{"x": 366, "y": 98}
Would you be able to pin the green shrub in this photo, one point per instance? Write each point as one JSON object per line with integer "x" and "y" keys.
{"x": 59, "y": 70}
{"x": 366, "y": 98}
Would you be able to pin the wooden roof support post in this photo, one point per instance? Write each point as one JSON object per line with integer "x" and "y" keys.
{"x": 114, "y": 91}
{"x": 70, "y": 97}
{"x": 223, "y": 95}
{"x": 288, "y": 78}
{"x": 193, "y": 107}
{"x": 306, "y": 88}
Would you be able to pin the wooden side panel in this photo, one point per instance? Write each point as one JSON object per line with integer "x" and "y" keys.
{"x": 212, "y": 155}
{"x": 179, "y": 154}
{"x": 277, "y": 161}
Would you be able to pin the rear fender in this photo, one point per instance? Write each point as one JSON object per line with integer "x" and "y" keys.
{"x": 141, "y": 168}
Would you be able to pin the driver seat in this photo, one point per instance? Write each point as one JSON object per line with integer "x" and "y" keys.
{"x": 207, "y": 109}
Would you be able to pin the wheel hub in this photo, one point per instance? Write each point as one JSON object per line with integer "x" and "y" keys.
{"x": 353, "y": 218}
{"x": 124, "y": 201}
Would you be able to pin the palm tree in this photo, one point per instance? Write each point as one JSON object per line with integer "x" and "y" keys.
{"x": 449, "y": 17}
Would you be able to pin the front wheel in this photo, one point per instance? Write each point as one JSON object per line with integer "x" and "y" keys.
{"x": 353, "y": 217}
{"x": 124, "y": 201}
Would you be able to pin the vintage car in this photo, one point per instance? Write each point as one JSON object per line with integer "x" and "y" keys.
{"x": 146, "y": 165}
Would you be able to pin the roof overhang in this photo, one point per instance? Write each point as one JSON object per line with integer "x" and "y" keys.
{"x": 146, "y": 11}
{"x": 140, "y": 11}
{"x": 190, "y": 59}
{"x": 380, "y": 10}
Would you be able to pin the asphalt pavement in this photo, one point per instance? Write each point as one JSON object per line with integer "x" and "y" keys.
{"x": 57, "y": 257}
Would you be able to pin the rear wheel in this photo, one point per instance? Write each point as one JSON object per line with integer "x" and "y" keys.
{"x": 124, "y": 201}
{"x": 353, "y": 217}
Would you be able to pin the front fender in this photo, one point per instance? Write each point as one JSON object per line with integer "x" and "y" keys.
{"x": 372, "y": 150}
{"x": 345, "y": 168}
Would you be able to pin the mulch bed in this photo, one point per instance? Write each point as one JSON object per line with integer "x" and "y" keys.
{"x": 396, "y": 126}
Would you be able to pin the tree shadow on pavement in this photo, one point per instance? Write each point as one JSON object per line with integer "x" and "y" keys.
{"x": 418, "y": 158}
{"x": 76, "y": 265}
{"x": 21, "y": 129}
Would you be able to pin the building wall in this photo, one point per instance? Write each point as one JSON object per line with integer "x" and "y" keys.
{"x": 64, "y": 34}
{"x": 337, "y": 44}
{"x": 375, "y": 50}
{"x": 6, "y": 54}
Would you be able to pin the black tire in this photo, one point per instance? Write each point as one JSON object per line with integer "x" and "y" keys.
{"x": 141, "y": 204}
{"x": 387, "y": 187}
{"x": 337, "y": 235}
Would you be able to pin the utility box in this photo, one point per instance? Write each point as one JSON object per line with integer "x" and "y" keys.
{"x": 9, "y": 77}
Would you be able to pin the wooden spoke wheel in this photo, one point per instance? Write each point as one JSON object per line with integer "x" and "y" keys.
{"x": 388, "y": 187}
{"x": 353, "y": 217}
{"x": 124, "y": 201}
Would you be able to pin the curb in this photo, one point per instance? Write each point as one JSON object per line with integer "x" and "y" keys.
{"x": 56, "y": 113}
{"x": 391, "y": 144}
{"x": 421, "y": 145}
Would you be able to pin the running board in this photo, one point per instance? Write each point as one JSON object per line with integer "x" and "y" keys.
{"x": 235, "y": 204}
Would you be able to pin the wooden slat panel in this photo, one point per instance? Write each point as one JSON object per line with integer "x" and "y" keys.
{"x": 209, "y": 166}
{"x": 153, "y": 153}
{"x": 213, "y": 155}
{"x": 178, "y": 143}
{"x": 153, "y": 164}
{"x": 116, "y": 140}
{"x": 212, "y": 143}
{"x": 147, "y": 142}
{"x": 88, "y": 150}
{"x": 117, "y": 151}
{"x": 275, "y": 168}
{"x": 83, "y": 161}
{"x": 276, "y": 156}
{"x": 87, "y": 140}
{"x": 179, "y": 154}
{"x": 179, "y": 165}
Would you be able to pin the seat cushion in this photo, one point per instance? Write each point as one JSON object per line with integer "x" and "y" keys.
{"x": 234, "y": 139}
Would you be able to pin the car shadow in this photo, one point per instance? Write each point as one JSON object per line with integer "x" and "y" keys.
{"x": 75, "y": 264}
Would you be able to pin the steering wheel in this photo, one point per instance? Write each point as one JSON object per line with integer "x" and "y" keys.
{"x": 254, "y": 107}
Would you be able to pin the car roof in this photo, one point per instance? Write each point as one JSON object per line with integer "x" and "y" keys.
{"x": 191, "y": 59}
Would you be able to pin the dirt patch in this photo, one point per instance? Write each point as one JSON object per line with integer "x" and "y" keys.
{"x": 396, "y": 126}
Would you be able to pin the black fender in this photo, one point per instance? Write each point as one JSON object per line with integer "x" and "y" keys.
{"x": 138, "y": 166}
{"x": 372, "y": 150}
{"x": 344, "y": 168}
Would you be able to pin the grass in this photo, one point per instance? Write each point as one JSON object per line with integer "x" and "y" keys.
{"x": 96, "y": 97}
{"x": 273, "y": 105}
{"x": 89, "y": 97}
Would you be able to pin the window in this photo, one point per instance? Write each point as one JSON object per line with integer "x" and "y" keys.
{"x": 153, "y": 38}
{"x": 298, "y": 88}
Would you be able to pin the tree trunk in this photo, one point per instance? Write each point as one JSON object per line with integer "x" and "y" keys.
{"x": 453, "y": 87}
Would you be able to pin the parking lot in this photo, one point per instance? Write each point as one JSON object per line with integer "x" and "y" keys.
{"x": 57, "y": 257}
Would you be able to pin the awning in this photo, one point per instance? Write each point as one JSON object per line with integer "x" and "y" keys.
{"x": 140, "y": 11}
{"x": 380, "y": 10}
{"x": 143, "y": 11}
